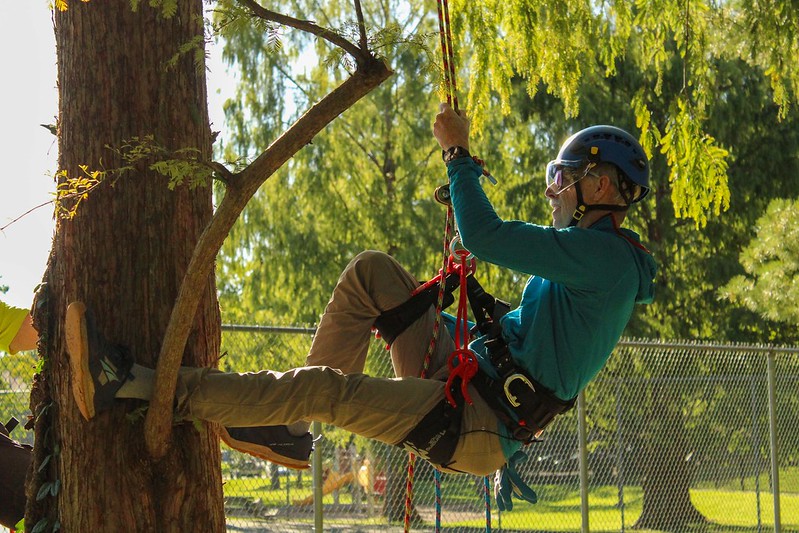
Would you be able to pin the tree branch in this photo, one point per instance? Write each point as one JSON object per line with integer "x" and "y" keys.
{"x": 225, "y": 175}
{"x": 361, "y": 25}
{"x": 369, "y": 74}
{"x": 329, "y": 35}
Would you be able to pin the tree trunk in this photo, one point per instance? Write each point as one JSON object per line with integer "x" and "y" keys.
{"x": 667, "y": 471}
{"x": 125, "y": 253}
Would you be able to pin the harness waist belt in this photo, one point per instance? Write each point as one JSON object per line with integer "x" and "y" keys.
{"x": 533, "y": 405}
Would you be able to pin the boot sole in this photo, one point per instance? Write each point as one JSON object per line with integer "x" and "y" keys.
{"x": 78, "y": 350}
{"x": 262, "y": 452}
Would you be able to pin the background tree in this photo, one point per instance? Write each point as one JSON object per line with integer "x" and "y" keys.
{"x": 769, "y": 287}
{"x": 365, "y": 182}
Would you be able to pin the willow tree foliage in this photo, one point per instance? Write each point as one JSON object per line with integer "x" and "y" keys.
{"x": 658, "y": 68}
{"x": 555, "y": 46}
{"x": 365, "y": 182}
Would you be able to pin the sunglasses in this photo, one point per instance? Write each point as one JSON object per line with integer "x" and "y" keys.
{"x": 555, "y": 173}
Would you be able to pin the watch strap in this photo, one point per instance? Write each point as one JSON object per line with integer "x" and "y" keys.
{"x": 454, "y": 152}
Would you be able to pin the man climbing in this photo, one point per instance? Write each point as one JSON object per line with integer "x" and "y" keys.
{"x": 16, "y": 334}
{"x": 586, "y": 274}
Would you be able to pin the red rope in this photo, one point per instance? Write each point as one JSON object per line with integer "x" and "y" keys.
{"x": 462, "y": 362}
{"x": 431, "y": 348}
{"x": 447, "y": 53}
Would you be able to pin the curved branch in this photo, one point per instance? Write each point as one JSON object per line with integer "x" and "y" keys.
{"x": 366, "y": 77}
{"x": 308, "y": 26}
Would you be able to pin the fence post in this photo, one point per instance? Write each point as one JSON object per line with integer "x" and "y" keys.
{"x": 583, "y": 439}
{"x": 317, "y": 480}
{"x": 620, "y": 450}
{"x": 756, "y": 452}
{"x": 772, "y": 422}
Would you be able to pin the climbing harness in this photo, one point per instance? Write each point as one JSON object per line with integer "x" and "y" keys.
{"x": 525, "y": 406}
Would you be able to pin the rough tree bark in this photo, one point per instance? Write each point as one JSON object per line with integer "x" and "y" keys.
{"x": 124, "y": 254}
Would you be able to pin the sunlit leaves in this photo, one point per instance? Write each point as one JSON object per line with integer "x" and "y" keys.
{"x": 63, "y": 5}
{"x": 698, "y": 167}
{"x": 561, "y": 46}
{"x": 195, "y": 48}
{"x": 168, "y": 7}
{"x": 232, "y": 19}
{"x": 550, "y": 41}
{"x": 181, "y": 166}
{"x": 771, "y": 28}
{"x": 72, "y": 190}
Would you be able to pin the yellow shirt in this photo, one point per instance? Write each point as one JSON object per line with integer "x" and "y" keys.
{"x": 10, "y": 321}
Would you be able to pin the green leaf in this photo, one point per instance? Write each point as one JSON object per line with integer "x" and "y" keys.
{"x": 44, "y": 491}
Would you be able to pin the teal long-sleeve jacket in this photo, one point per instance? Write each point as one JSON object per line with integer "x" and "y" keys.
{"x": 578, "y": 299}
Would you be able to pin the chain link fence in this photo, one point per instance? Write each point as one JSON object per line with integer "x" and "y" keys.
{"x": 674, "y": 436}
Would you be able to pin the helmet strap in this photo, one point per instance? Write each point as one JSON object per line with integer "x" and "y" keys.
{"x": 582, "y": 208}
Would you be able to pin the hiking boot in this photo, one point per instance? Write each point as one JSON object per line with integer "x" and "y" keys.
{"x": 99, "y": 368}
{"x": 273, "y": 443}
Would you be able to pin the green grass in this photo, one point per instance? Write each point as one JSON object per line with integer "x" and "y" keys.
{"x": 259, "y": 488}
{"x": 789, "y": 482}
{"x": 725, "y": 510}
{"x": 558, "y": 508}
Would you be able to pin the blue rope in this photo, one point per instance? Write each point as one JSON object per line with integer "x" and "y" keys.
{"x": 487, "y": 494}
{"x": 438, "y": 500}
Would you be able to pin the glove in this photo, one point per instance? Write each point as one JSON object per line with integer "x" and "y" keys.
{"x": 508, "y": 483}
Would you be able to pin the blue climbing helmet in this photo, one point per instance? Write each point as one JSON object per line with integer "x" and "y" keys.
{"x": 607, "y": 144}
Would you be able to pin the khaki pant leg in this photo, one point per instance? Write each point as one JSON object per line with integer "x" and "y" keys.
{"x": 373, "y": 282}
{"x": 378, "y": 408}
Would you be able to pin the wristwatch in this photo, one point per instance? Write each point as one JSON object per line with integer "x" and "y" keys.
{"x": 454, "y": 152}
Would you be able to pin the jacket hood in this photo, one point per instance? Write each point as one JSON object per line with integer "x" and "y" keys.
{"x": 647, "y": 268}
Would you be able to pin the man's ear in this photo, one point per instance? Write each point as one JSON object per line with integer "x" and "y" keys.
{"x": 601, "y": 187}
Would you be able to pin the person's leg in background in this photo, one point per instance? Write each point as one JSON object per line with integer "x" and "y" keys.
{"x": 15, "y": 459}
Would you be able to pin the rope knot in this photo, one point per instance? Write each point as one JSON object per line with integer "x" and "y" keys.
{"x": 462, "y": 364}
